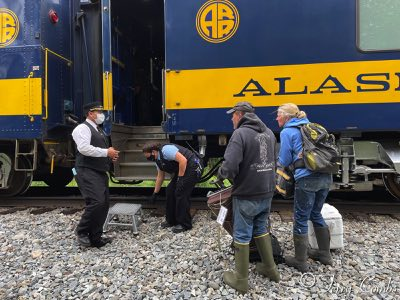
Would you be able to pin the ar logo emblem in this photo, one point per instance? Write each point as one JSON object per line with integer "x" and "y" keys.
{"x": 9, "y": 27}
{"x": 217, "y": 21}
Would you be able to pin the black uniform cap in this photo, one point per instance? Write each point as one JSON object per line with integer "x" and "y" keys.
{"x": 93, "y": 106}
{"x": 242, "y": 106}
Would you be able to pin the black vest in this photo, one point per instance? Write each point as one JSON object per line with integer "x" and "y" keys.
{"x": 172, "y": 166}
{"x": 100, "y": 140}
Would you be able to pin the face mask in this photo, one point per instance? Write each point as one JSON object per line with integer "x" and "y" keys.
{"x": 100, "y": 119}
{"x": 151, "y": 157}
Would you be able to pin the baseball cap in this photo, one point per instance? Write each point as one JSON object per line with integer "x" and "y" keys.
{"x": 242, "y": 106}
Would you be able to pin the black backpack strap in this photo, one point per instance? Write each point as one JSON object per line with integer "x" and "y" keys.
{"x": 299, "y": 164}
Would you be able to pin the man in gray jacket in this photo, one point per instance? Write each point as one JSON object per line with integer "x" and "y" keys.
{"x": 250, "y": 161}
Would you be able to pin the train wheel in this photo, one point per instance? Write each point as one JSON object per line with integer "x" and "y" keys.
{"x": 18, "y": 181}
{"x": 392, "y": 183}
{"x": 59, "y": 179}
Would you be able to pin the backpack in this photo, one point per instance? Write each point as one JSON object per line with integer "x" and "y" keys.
{"x": 277, "y": 251}
{"x": 254, "y": 255}
{"x": 320, "y": 153}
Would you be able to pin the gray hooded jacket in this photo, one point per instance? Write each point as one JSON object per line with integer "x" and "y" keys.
{"x": 250, "y": 159}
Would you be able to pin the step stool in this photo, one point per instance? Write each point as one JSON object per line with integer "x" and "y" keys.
{"x": 126, "y": 209}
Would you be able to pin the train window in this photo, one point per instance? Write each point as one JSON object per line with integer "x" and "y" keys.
{"x": 378, "y": 25}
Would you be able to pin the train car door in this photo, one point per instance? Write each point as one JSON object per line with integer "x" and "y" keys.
{"x": 93, "y": 66}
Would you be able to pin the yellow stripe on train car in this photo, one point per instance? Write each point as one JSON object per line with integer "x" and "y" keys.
{"x": 21, "y": 96}
{"x": 309, "y": 84}
{"x": 107, "y": 91}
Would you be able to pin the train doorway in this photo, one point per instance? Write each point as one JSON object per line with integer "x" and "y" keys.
{"x": 120, "y": 59}
{"x": 123, "y": 40}
{"x": 137, "y": 49}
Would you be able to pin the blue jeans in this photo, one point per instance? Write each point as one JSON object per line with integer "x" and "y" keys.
{"x": 250, "y": 218}
{"x": 309, "y": 197}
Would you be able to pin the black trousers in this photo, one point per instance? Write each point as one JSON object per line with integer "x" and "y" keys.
{"x": 94, "y": 188}
{"x": 178, "y": 197}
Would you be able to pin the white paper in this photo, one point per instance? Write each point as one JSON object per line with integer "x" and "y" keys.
{"x": 222, "y": 215}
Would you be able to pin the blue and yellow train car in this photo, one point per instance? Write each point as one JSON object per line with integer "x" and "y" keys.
{"x": 56, "y": 56}
{"x": 168, "y": 71}
{"x": 35, "y": 92}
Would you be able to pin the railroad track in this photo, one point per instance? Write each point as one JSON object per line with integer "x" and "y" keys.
{"x": 73, "y": 202}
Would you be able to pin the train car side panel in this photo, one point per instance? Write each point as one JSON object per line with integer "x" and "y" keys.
{"x": 269, "y": 33}
{"x": 55, "y": 37}
{"x": 287, "y": 52}
{"x": 20, "y": 73}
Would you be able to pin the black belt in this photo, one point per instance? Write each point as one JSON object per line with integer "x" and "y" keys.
{"x": 299, "y": 164}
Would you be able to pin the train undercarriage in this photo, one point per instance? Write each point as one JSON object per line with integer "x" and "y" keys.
{"x": 23, "y": 161}
{"x": 364, "y": 164}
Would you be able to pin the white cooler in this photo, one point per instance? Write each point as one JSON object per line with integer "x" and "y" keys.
{"x": 334, "y": 220}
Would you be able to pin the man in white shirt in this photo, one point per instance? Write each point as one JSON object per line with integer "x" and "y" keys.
{"x": 92, "y": 164}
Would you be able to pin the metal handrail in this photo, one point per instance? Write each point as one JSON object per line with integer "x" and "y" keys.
{"x": 31, "y": 118}
{"x": 46, "y": 91}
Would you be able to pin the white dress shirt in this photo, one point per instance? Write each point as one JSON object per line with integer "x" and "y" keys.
{"x": 82, "y": 136}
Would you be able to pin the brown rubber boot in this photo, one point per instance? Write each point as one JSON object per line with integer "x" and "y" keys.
{"x": 323, "y": 253}
{"x": 267, "y": 266}
{"x": 238, "y": 279}
{"x": 299, "y": 261}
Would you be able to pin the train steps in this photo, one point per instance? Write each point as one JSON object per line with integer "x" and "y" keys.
{"x": 129, "y": 140}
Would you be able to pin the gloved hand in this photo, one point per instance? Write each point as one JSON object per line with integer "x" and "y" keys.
{"x": 219, "y": 182}
{"x": 179, "y": 187}
{"x": 153, "y": 198}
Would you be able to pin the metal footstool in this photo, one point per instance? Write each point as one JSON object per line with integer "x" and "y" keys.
{"x": 131, "y": 210}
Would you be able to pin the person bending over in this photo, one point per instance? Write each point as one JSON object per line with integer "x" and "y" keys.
{"x": 185, "y": 169}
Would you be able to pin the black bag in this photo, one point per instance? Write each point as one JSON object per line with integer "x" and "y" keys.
{"x": 320, "y": 153}
{"x": 284, "y": 182}
{"x": 277, "y": 251}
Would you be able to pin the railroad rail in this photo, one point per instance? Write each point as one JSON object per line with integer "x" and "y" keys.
{"x": 350, "y": 205}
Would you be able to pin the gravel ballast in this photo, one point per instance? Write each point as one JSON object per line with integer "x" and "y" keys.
{"x": 40, "y": 259}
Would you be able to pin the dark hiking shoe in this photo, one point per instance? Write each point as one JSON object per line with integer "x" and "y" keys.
{"x": 178, "y": 229}
{"x": 101, "y": 242}
{"x": 165, "y": 224}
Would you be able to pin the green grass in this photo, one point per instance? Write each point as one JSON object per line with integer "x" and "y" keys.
{"x": 147, "y": 183}
{"x": 73, "y": 183}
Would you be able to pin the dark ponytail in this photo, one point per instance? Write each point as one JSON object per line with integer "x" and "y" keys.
{"x": 148, "y": 147}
